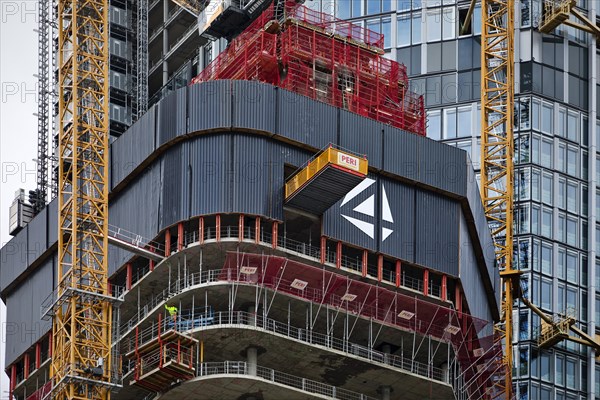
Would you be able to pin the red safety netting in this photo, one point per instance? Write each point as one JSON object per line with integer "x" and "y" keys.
{"x": 479, "y": 357}
{"x": 326, "y": 59}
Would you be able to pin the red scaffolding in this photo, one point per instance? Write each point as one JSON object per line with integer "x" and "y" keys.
{"x": 479, "y": 356}
{"x": 326, "y": 59}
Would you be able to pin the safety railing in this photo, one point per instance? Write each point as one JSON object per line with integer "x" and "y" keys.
{"x": 189, "y": 320}
{"x": 268, "y": 374}
{"x": 161, "y": 356}
{"x": 134, "y": 239}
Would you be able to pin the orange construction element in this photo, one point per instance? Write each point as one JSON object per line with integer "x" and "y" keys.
{"x": 326, "y": 59}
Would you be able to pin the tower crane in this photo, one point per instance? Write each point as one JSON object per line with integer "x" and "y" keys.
{"x": 497, "y": 167}
{"x": 82, "y": 310}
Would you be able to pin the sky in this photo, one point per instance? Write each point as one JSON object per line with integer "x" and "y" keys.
{"x": 18, "y": 125}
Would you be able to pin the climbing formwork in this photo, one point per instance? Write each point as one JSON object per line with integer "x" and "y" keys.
{"x": 326, "y": 59}
{"x": 164, "y": 358}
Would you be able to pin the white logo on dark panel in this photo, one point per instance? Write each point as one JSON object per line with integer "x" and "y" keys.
{"x": 367, "y": 208}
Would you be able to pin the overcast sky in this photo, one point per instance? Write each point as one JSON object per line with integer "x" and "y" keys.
{"x": 18, "y": 126}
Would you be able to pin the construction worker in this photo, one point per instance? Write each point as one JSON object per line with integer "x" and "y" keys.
{"x": 172, "y": 311}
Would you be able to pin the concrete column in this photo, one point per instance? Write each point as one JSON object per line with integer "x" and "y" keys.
{"x": 386, "y": 349}
{"x": 252, "y": 316}
{"x": 385, "y": 392}
{"x": 252, "y": 360}
{"x": 445, "y": 372}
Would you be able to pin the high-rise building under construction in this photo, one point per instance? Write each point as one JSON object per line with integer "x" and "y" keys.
{"x": 312, "y": 243}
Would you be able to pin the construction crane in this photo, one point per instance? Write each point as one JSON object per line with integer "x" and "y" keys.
{"x": 497, "y": 168}
{"x": 82, "y": 310}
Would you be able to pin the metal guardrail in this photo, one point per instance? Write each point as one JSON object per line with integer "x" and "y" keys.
{"x": 268, "y": 374}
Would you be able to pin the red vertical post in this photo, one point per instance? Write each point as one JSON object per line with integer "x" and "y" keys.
{"x": 241, "y": 228}
{"x": 364, "y": 268}
{"x": 458, "y": 298}
{"x": 323, "y": 249}
{"x": 398, "y": 273}
{"x": 380, "y": 267}
{"x": 257, "y": 230}
{"x": 151, "y": 265}
{"x": 38, "y": 355}
{"x": 274, "y": 233}
{"x": 426, "y": 282}
{"x": 13, "y": 380}
{"x": 201, "y": 230}
{"x": 129, "y": 271}
{"x": 444, "y": 287}
{"x": 167, "y": 243}
{"x": 179, "y": 351}
{"x": 180, "y": 236}
{"x": 338, "y": 255}
{"x": 26, "y": 366}
{"x": 218, "y": 227}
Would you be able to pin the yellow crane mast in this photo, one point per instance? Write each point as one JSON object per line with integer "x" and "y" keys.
{"x": 82, "y": 311}
{"x": 497, "y": 149}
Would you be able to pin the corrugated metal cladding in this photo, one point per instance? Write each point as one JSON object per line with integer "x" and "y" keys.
{"x": 401, "y": 199}
{"x": 483, "y": 232}
{"x": 209, "y": 105}
{"x": 210, "y": 162}
{"x": 37, "y": 240}
{"x": 437, "y": 240}
{"x": 133, "y": 147}
{"x": 363, "y": 136}
{"x": 424, "y": 160}
{"x": 470, "y": 277}
{"x": 257, "y": 176}
{"x": 254, "y": 106}
{"x": 171, "y": 185}
{"x": 13, "y": 258}
{"x": 23, "y": 311}
{"x": 172, "y": 116}
{"x": 136, "y": 209}
{"x": 419, "y": 226}
{"x": 336, "y": 220}
{"x": 291, "y": 155}
{"x": 304, "y": 120}
{"x": 52, "y": 228}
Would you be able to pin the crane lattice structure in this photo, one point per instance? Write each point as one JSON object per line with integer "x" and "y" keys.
{"x": 43, "y": 113}
{"x": 82, "y": 311}
{"x": 497, "y": 166}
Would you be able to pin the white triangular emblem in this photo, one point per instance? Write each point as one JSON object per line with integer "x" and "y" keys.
{"x": 366, "y": 227}
{"x": 387, "y": 212}
{"x": 357, "y": 189}
{"x": 367, "y": 207}
{"x": 385, "y": 232}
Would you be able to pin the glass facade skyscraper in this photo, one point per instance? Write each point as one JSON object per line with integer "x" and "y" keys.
{"x": 556, "y": 165}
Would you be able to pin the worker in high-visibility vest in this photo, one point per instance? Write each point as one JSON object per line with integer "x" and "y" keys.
{"x": 172, "y": 311}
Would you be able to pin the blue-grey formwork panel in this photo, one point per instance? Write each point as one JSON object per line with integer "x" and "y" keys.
{"x": 210, "y": 106}
{"x": 437, "y": 239}
{"x": 362, "y": 136}
{"x": 254, "y": 106}
{"x": 13, "y": 257}
{"x": 25, "y": 326}
{"x": 37, "y": 240}
{"x": 401, "y": 153}
{"x": 397, "y": 225}
{"x": 305, "y": 121}
{"x": 443, "y": 166}
{"x": 167, "y": 118}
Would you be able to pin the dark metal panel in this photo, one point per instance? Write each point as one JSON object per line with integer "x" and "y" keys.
{"x": 470, "y": 277}
{"x": 13, "y": 257}
{"x": 400, "y": 153}
{"x": 337, "y": 220}
{"x": 443, "y": 166}
{"x": 363, "y": 136}
{"x": 133, "y": 147}
{"x": 253, "y": 184}
{"x": 254, "y": 106}
{"x": 291, "y": 155}
{"x": 211, "y": 169}
{"x": 401, "y": 199}
{"x": 52, "y": 214}
{"x": 437, "y": 240}
{"x": 210, "y": 105}
{"x": 182, "y": 111}
{"x": 167, "y": 119}
{"x": 306, "y": 121}
{"x": 23, "y": 311}
{"x": 36, "y": 236}
{"x": 172, "y": 181}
